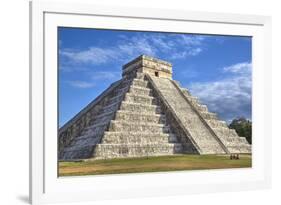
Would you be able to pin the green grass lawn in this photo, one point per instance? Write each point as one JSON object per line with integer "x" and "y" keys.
{"x": 152, "y": 164}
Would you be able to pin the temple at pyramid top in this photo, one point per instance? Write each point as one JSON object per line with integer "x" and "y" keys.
{"x": 149, "y": 65}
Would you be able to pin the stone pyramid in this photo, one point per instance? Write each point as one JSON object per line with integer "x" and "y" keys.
{"x": 146, "y": 113}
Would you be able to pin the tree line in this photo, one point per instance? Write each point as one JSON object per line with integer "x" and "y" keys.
{"x": 243, "y": 127}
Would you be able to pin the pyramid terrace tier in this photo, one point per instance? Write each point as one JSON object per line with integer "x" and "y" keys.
{"x": 105, "y": 151}
{"x": 138, "y": 127}
{"x": 138, "y": 138}
{"x": 128, "y": 116}
{"x": 140, "y": 108}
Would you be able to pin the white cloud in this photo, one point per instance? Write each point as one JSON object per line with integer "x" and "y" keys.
{"x": 195, "y": 51}
{"x": 93, "y": 55}
{"x": 126, "y": 48}
{"x": 229, "y": 97}
{"x": 192, "y": 40}
{"x": 244, "y": 67}
{"x": 163, "y": 42}
{"x": 95, "y": 78}
{"x": 136, "y": 46}
{"x": 106, "y": 75}
{"x": 81, "y": 84}
{"x": 184, "y": 54}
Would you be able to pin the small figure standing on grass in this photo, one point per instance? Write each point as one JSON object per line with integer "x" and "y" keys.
{"x": 237, "y": 156}
{"x": 234, "y": 156}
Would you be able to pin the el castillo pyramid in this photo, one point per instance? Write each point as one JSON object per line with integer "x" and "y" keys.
{"x": 146, "y": 113}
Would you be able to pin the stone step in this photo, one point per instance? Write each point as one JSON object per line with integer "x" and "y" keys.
{"x": 138, "y": 117}
{"x": 142, "y": 99}
{"x": 216, "y": 123}
{"x": 209, "y": 115}
{"x": 234, "y": 140}
{"x": 139, "y": 83}
{"x": 140, "y": 90}
{"x": 138, "y": 127}
{"x": 134, "y": 138}
{"x": 132, "y": 150}
{"x": 243, "y": 140}
{"x": 240, "y": 148}
{"x": 225, "y": 132}
{"x": 137, "y": 107}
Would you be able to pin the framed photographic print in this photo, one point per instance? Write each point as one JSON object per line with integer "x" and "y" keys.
{"x": 129, "y": 102}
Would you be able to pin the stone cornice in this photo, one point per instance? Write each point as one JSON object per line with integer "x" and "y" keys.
{"x": 148, "y": 62}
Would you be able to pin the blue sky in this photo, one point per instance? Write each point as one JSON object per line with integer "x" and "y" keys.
{"x": 217, "y": 69}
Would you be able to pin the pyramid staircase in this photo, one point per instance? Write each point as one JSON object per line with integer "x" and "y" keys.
{"x": 211, "y": 134}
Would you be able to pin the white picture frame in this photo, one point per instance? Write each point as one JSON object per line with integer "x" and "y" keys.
{"x": 46, "y": 187}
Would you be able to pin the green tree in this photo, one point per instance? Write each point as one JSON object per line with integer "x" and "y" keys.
{"x": 243, "y": 127}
